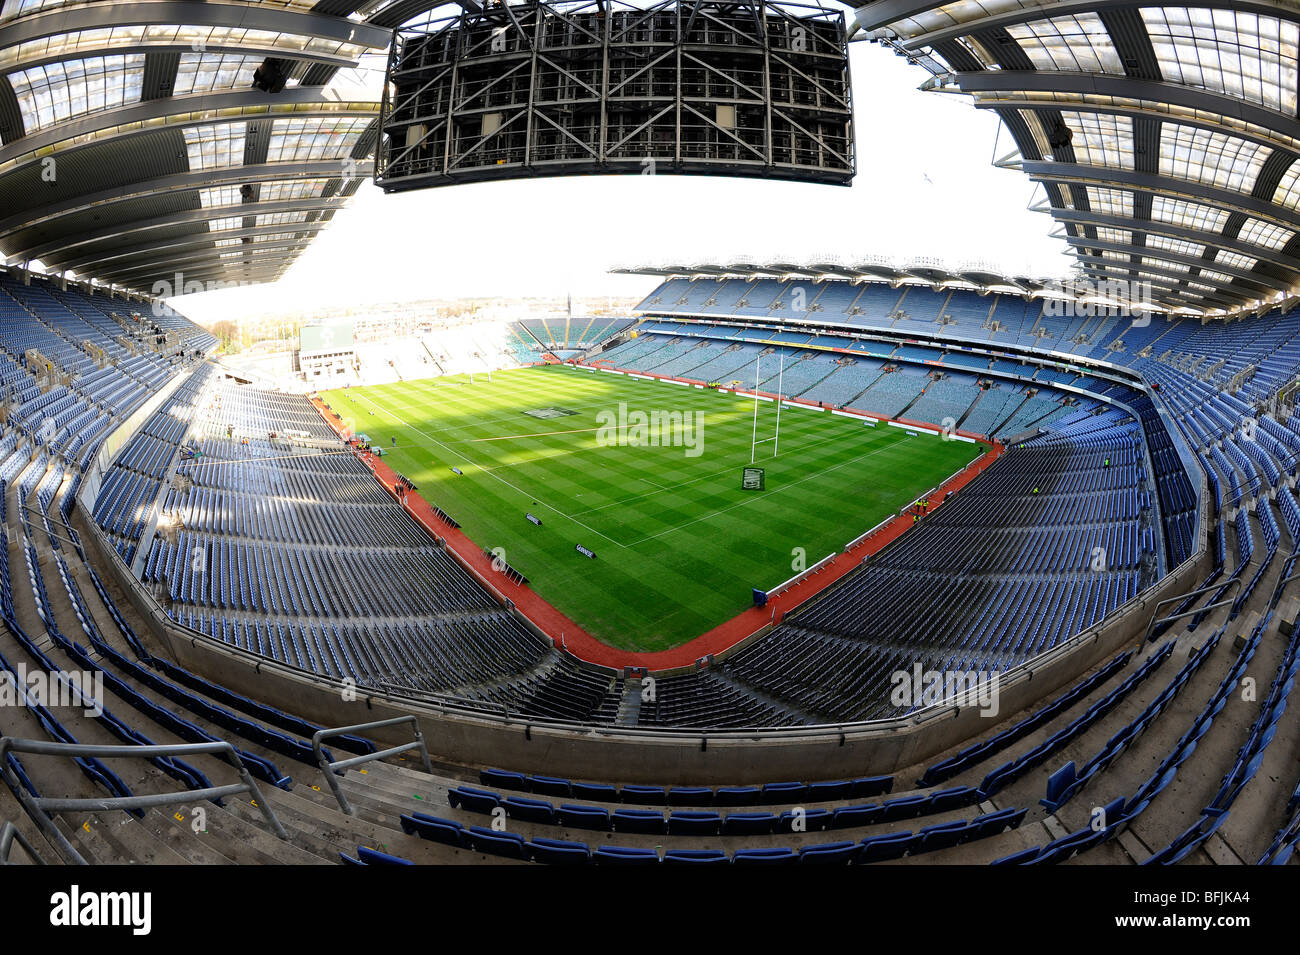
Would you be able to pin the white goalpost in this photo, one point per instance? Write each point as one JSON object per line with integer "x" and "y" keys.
{"x": 780, "y": 395}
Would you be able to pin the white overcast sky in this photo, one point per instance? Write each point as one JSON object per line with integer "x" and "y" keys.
{"x": 925, "y": 187}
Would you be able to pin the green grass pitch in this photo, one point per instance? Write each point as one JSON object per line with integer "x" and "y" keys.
{"x": 679, "y": 544}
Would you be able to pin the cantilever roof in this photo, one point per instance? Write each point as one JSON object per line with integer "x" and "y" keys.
{"x": 135, "y": 146}
{"x": 1165, "y": 137}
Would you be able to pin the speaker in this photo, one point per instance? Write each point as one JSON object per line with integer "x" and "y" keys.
{"x": 271, "y": 76}
{"x": 1060, "y": 136}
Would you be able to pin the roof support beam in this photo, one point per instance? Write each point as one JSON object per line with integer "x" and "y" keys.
{"x": 1081, "y": 218}
{"x": 1245, "y": 275}
{"x": 181, "y": 243}
{"x": 199, "y": 179}
{"x": 1014, "y": 82}
{"x": 120, "y": 230}
{"x": 884, "y": 12}
{"x": 248, "y": 16}
{"x": 202, "y": 110}
{"x": 226, "y": 275}
{"x": 1162, "y": 185}
{"x": 1220, "y": 294}
{"x": 127, "y": 274}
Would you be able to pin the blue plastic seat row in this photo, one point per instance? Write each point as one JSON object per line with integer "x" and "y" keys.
{"x": 512, "y": 845}
{"x": 767, "y": 794}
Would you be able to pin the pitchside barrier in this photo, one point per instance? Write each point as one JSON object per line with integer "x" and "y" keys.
{"x": 797, "y": 578}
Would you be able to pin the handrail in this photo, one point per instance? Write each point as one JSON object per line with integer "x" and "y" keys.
{"x": 40, "y": 807}
{"x": 1233, "y": 582}
{"x": 331, "y": 770}
{"x": 9, "y": 834}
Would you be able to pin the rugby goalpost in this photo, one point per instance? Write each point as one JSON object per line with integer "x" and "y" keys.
{"x": 780, "y": 395}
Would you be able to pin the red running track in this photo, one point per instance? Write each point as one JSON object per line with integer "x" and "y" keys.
{"x": 565, "y": 632}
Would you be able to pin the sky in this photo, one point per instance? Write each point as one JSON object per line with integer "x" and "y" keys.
{"x": 925, "y": 187}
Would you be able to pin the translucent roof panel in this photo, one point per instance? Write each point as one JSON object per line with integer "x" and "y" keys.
{"x": 1189, "y": 215}
{"x": 217, "y": 146}
{"x": 1180, "y": 246}
{"x": 938, "y": 18}
{"x": 254, "y": 240}
{"x": 1114, "y": 236}
{"x": 1078, "y": 44}
{"x": 223, "y": 225}
{"x": 205, "y": 72}
{"x": 1101, "y": 139}
{"x": 1235, "y": 259}
{"x": 291, "y": 189}
{"x": 11, "y": 9}
{"x": 1111, "y": 202}
{"x": 281, "y": 218}
{"x": 1155, "y": 262}
{"x": 57, "y": 92}
{"x": 1269, "y": 235}
{"x": 1216, "y": 159}
{"x": 1288, "y": 189}
{"x": 299, "y": 140}
{"x": 1216, "y": 276}
{"x": 220, "y": 196}
{"x": 175, "y": 35}
{"x": 17, "y": 8}
{"x": 1227, "y": 51}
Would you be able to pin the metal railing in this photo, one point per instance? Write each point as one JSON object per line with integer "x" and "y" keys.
{"x": 9, "y": 834}
{"x": 40, "y": 807}
{"x": 333, "y": 770}
{"x": 1233, "y": 582}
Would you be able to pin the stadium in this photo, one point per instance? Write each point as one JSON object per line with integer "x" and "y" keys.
{"x": 857, "y": 561}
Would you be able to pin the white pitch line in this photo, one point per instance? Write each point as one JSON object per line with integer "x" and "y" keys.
{"x": 496, "y": 476}
{"x": 732, "y": 507}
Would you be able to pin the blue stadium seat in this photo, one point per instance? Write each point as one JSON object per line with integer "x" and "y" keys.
{"x": 445, "y": 831}
{"x": 625, "y": 856}
{"x": 764, "y": 857}
{"x": 472, "y": 800}
{"x": 748, "y": 823}
{"x": 893, "y": 845}
{"x": 776, "y": 793}
{"x": 696, "y": 857}
{"x": 584, "y": 817}
{"x": 508, "y": 844}
{"x": 530, "y": 810}
{"x": 690, "y": 796}
{"x": 700, "y": 823}
{"x": 559, "y": 852}
{"x": 830, "y": 853}
{"x": 737, "y": 796}
{"x": 367, "y": 856}
{"x": 645, "y": 795}
{"x": 645, "y": 821}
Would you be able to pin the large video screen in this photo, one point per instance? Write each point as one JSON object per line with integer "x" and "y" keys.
{"x": 537, "y": 89}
